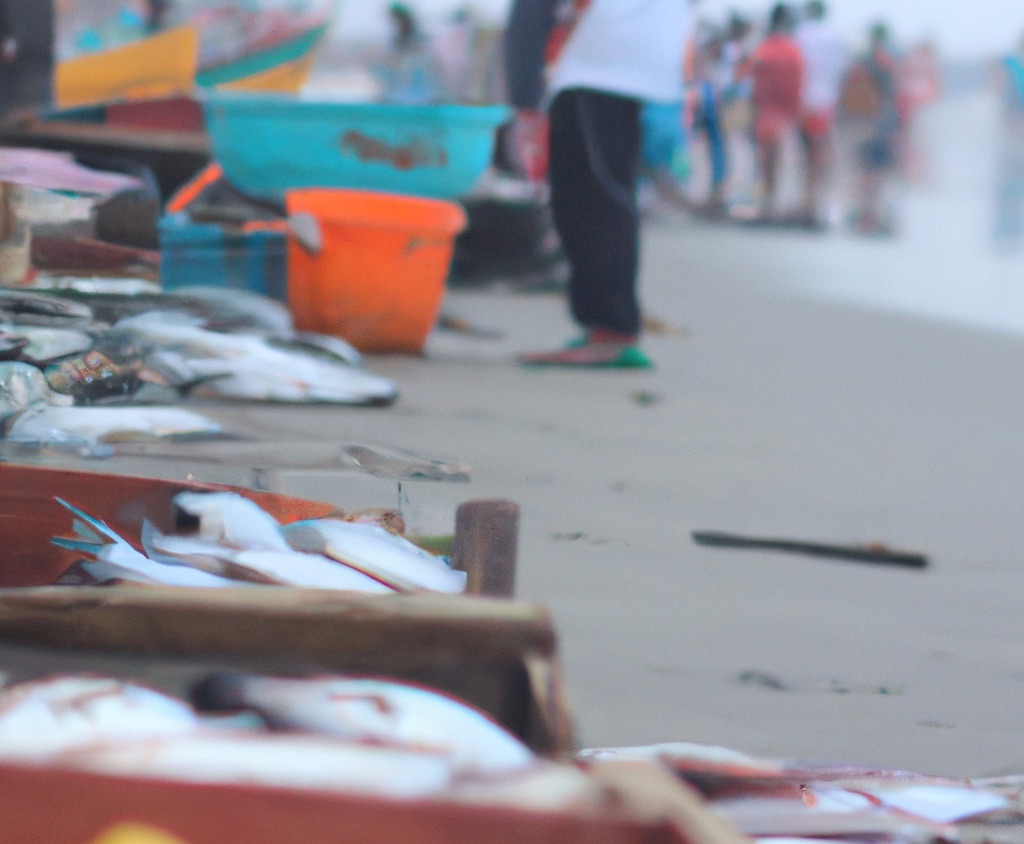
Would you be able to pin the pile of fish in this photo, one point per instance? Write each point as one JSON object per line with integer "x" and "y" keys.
{"x": 349, "y": 734}
{"x": 94, "y": 351}
{"x": 796, "y": 802}
{"x": 233, "y": 542}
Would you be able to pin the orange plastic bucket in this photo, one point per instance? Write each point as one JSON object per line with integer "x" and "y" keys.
{"x": 380, "y": 277}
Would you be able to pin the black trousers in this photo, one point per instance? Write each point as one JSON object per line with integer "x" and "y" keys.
{"x": 594, "y": 162}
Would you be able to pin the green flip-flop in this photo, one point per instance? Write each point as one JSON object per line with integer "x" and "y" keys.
{"x": 576, "y": 355}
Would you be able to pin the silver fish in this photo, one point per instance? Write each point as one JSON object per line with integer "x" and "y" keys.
{"x": 22, "y": 386}
{"x": 544, "y": 787}
{"x": 43, "y": 718}
{"x": 373, "y": 710}
{"x": 46, "y": 344}
{"x": 290, "y": 761}
{"x": 279, "y": 568}
{"x": 231, "y": 519}
{"x": 90, "y": 425}
{"x": 371, "y": 549}
{"x": 110, "y": 557}
{"x": 96, "y": 285}
{"x": 239, "y": 309}
{"x": 332, "y": 347}
{"x": 247, "y": 366}
{"x": 27, "y": 308}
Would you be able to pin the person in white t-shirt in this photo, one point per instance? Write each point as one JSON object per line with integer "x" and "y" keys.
{"x": 606, "y": 58}
{"x": 825, "y": 64}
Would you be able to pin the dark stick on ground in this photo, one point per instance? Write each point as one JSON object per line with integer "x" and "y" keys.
{"x": 878, "y": 554}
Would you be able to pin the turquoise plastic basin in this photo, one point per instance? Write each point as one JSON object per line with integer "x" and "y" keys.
{"x": 268, "y": 144}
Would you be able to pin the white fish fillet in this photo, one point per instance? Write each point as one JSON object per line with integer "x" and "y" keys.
{"x": 46, "y": 717}
{"x": 46, "y": 344}
{"x": 292, "y": 761}
{"x": 116, "y": 559}
{"x": 246, "y": 366}
{"x": 372, "y": 549}
{"x": 118, "y": 564}
{"x": 310, "y": 571}
{"x": 543, "y": 787}
{"x": 96, "y": 424}
{"x": 683, "y": 752}
{"x": 262, "y": 312}
{"x": 282, "y": 568}
{"x": 22, "y": 385}
{"x": 234, "y": 520}
{"x": 391, "y": 712}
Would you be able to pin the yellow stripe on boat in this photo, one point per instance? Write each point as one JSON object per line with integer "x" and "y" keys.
{"x": 286, "y": 78}
{"x": 161, "y": 65}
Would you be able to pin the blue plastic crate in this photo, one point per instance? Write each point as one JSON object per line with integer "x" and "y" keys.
{"x": 204, "y": 254}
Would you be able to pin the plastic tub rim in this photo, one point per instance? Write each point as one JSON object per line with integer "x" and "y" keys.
{"x": 455, "y": 212}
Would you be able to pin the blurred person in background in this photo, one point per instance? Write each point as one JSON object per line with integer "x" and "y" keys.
{"x": 825, "y": 63}
{"x": 455, "y": 47}
{"x": 665, "y": 156}
{"x": 666, "y": 130}
{"x": 410, "y": 73}
{"x": 8, "y": 42}
{"x": 737, "y": 112}
{"x": 777, "y": 73}
{"x": 156, "y": 14}
{"x": 918, "y": 84}
{"x": 714, "y": 75}
{"x": 870, "y": 99}
{"x": 26, "y": 58}
{"x": 614, "y": 56}
{"x": 920, "y": 78}
{"x": 1009, "y": 224}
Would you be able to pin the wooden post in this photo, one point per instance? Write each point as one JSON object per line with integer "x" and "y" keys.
{"x": 14, "y": 241}
{"x": 485, "y": 546}
{"x": 6, "y": 213}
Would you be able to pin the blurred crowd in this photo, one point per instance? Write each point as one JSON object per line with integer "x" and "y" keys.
{"x": 758, "y": 90}
{"x": 766, "y": 98}
{"x": 1009, "y": 218}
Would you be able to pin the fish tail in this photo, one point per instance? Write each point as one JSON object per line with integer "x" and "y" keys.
{"x": 100, "y": 527}
{"x": 84, "y": 531}
{"x": 80, "y": 545}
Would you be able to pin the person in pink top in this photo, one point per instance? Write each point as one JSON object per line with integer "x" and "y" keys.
{"x": 777, "y": 73}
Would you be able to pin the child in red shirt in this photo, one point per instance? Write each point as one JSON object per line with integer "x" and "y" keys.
{"x": 777, "y": 72}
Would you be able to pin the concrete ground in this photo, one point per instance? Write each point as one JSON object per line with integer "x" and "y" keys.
{"x": 791, "y": 398}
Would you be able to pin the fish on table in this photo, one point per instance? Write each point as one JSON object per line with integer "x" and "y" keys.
{"x": 91, "y": 425}
{"x": 110, "y": 557}
{"x": 107, "y": 725}
{"x": 301, "y": 761}
{"x": 373, "y": 710}
{"x": 25, "y": 307}
{"x": 259, "y": 566}
{"x": 231, "y": 519}
{"x": 364, "y": 736}
{"x": 230, "y": 541}
{"x": 22, "y": 386}
{"x": 45, "y": 344}
{"x": 104, "y": 346}
{"x": 377, "y": 552}
{"x": 44, "y": 718}
{"x": 248, "y": 366}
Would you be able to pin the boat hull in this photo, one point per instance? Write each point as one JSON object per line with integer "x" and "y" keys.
{"x": 284, "y": 66}
{"x": 162, "y": 65}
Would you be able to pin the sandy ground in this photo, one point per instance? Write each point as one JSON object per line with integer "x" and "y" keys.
{"x": 771, "y": 411}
